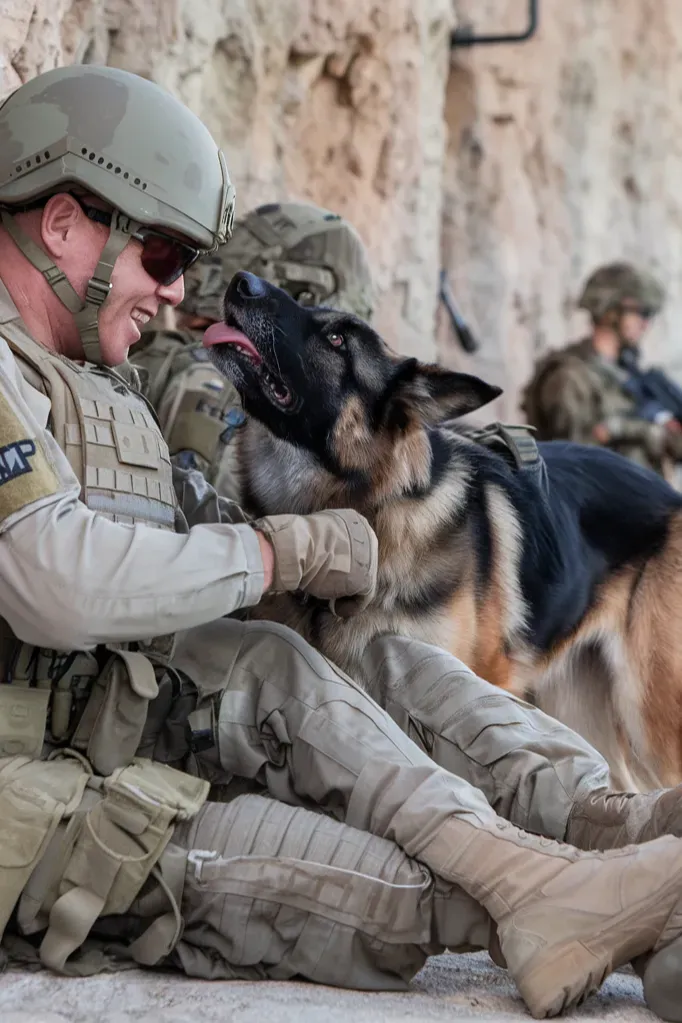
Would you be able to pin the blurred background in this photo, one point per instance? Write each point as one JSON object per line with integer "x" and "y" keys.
{"x": 515, "y": 166}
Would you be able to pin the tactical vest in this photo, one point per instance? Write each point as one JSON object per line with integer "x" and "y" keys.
{"x": 108, "y": 433}
{"x": 84, "y": 822}
{"x": 94, "y": 702}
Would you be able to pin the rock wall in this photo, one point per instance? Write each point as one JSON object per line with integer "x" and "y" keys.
{"x": 517, "y": 167}
{"x": 336, "y": 101}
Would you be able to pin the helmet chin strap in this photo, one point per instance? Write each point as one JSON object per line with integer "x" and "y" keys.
{"x": 85, "y": 312}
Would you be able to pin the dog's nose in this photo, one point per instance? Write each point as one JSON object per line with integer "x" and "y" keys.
{"x": 248, "y": 285}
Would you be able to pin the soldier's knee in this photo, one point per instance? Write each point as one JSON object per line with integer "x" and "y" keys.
{"x": 280, "y": 655}
{"x": 392, "y": 663}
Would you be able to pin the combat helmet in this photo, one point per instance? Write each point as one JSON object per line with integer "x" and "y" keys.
{"x": 313, "y": 254}
{"x": 112, "y": 134}
{"x": 613, "y": 283}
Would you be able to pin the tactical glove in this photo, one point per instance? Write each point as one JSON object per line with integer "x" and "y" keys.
{"x": 331, "y": 555}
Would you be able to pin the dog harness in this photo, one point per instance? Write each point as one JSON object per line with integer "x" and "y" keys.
{"x": 518, "y": 446}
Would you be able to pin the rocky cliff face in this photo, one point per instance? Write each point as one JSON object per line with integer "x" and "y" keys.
{"x": 336, "y": 101}
{"x": 517, "y": 167}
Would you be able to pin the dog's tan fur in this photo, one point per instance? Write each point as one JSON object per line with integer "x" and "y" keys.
{"x": 627, "y": 700}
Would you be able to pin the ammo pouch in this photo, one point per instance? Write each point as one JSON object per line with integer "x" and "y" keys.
{"x": 67, "y": 699}
{"x": 75, "y": 847}
{"x": 205, "y": 418}
{"x": 110, "y": 728}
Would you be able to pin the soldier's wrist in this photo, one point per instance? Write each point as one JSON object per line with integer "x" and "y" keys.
{"x": 268, "y": 556}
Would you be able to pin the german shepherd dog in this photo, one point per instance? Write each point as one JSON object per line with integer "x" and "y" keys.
{"x": 571, "y": 597}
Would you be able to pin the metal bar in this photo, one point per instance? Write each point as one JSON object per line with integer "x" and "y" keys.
{"x": 462, "y": 332}
{"x": 464, "y": 37}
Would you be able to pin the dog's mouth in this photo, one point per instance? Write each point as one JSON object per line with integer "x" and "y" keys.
{"x": 237, "y": 347}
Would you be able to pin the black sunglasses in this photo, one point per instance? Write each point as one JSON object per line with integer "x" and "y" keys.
{"x": 645, "y": 311}
{"x": 163, "y": 257}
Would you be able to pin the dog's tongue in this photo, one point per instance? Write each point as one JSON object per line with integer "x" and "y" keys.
{"x": 221, "y": 334}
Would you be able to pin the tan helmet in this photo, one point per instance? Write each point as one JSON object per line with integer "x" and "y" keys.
{"x": 122, "y": 138}
{"x": 612, "y": 284}
{"x": 314, "y": 254}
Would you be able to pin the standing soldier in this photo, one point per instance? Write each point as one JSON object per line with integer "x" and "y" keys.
{"x": 585, "y": 392}
{"x": 313, "y": 254}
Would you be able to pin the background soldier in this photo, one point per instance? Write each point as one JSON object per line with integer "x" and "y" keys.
{"x": 313, "y": 254}
{"x": 591, "y": 391}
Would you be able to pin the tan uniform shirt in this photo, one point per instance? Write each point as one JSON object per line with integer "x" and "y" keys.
{"x": 71, "y": 579}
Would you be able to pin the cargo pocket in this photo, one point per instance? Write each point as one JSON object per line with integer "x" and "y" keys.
{"x": 23, "y": 718}
{"x": 31, "y": 807}
{"x": 111, "y": 727}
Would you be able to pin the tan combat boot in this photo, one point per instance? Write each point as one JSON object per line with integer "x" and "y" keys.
{"x": 608, "y": 820}
{"x": 566, "y": 918}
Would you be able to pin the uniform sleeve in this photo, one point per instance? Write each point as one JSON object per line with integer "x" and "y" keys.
{"x": 71, "y": 579}
{"x": 34, "y": 472}
{"x": 633, "y": 430}
{"x": 566, "y": 397}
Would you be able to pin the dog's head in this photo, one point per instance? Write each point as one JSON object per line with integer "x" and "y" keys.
{"x": 325, "y": 381}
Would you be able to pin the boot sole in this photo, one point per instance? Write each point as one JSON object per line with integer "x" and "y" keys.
{"x": 662, "y": 981}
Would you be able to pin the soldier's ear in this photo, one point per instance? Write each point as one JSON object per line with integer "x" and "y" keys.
{"x": 432, "y": 394}
{"x": 59, "y": 222}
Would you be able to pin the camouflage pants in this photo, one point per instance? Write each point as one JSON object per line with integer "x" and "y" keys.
{"x": 311, "y": 877}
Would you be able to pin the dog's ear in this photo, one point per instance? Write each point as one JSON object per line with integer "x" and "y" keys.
{"x": 431, "y": 393}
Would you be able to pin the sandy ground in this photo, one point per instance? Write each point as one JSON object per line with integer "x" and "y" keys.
{"x": 449, "y": 988}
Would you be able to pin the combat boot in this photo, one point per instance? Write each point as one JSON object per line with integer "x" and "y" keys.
{"x": 567, "y": 918}
{"x": 608, "y": 820}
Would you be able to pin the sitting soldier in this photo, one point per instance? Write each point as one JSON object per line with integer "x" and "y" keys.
{"x": 585, "y": 392}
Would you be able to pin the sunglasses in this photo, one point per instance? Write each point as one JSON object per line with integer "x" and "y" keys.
{"x": 645, "y": 311}
{"x": 163, "y": 257}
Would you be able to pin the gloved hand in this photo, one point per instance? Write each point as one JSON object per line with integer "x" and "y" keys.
{"x": 332, "y": 555}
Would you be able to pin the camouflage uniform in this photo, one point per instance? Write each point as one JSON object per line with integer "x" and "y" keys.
{"x": 575, "y": 389}
{"x": 313, "y": 254}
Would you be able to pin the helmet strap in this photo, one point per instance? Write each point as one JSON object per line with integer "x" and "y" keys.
{"x": 85, "y": 313}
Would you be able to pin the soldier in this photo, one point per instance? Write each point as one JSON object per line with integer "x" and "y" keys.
{"x": 313, "y": 254}
{"x": 583, "y": 392}
{"x": 365, "y": 855}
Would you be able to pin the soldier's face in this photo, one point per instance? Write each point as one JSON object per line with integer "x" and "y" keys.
{"x": 76, "y": 243}
{"x": 633, "y": 323}
{"x": 134, "y": 299}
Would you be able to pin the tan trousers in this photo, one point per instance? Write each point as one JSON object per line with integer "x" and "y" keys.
{"x": 321, "y": 878}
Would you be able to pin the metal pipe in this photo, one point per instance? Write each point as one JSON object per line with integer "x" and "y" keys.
{"x": 463, "y": 36}
{"x": 464, "y": 335}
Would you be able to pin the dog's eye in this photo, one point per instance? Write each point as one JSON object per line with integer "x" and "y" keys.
{"x": 336, "y": 340}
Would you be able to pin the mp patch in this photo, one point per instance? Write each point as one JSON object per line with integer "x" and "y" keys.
{"x": 15, "y": 459}
{"x": 26, "y": 475}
